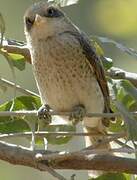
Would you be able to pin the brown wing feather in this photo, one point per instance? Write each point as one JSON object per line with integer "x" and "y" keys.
{"x": 97, "y": 66}
{"x": 95, "y": 62}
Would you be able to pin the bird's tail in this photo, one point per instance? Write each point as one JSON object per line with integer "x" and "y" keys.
{"x": 100, "y": 129}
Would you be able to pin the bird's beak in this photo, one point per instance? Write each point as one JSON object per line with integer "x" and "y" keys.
{"x": 38, "y": 20}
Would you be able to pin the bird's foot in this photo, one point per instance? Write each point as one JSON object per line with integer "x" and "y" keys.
{"x": 77, "y": 114}
{"x": 44, "y": 113}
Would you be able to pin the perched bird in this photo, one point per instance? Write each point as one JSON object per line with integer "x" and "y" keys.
{"x": 68, "y": 73}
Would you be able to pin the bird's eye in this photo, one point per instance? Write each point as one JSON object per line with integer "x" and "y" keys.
{"x": 51, "y": 12}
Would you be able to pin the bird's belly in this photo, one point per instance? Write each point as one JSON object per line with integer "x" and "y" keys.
{"x": 65, "y": 78}
{"x": 65, "y": 88}
{"x": 64, "y": 94}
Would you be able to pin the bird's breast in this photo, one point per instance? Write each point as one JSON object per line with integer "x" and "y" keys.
{"x": 64, "y": 76}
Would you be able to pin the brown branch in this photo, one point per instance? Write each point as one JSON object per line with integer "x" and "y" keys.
{"x": 105, "y": 141}
{"x": 10, "y": 84}
{"x": 97, "y": 162}
{"x": 53, "y": 113}
{"x": 24, "y": 51}
{"x": 16, "y": 47}
{"x": 117, "y": 73}
{"x": 18, "y": 155}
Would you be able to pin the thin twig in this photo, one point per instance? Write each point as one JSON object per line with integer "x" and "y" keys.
{"x": 117, "y": 73}
{"x": 73, "y": 177}
{"x": 15, "y": 47}
{"x": 17, "y": 155}
{"x": 10, "y": 84}
{"x": 86, "y": 152}
{"x": 107, "y": 151}
{"x": 124, "y": 150}
{"x": 44, "y": 133}
{"x": 18, "y": 113}
{"x": 53, "y": 113}
{"x": 123, "y": 144}
{"x": 51, "y": 171}
{"x": 104, "y": 141}
{"x": 93, "y": 149}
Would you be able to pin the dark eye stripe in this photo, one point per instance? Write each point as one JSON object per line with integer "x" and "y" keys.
{"x": 53, "y": 12}
{"x": 29, "y": 21}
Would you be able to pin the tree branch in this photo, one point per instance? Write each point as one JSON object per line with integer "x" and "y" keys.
{"x": 10, "y": 84}
{"x": 16, "y": 47}
{"x": 54, "y": 113}
{"x": 19, "y": 155}
{"x": 117, "y": 73}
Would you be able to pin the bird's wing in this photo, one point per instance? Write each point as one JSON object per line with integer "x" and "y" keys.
{"x": 95, "y": 63}
{"x": 97, "y": 66}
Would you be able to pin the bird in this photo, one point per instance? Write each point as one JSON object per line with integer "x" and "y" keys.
{"x": 69, "y": 74}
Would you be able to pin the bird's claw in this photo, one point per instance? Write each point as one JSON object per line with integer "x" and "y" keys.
{"x": 77, "y": 114}
{"x": 44, "y": 113}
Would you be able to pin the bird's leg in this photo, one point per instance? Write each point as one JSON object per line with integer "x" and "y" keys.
{"x": 44, "y": 113}
{"x": 77, "y": 114}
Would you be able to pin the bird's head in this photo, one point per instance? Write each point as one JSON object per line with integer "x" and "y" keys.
{"x": 43, "y": 20}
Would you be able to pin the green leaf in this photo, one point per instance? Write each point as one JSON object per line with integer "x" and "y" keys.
{"x": 98, "y": 48}
{"x": 129, "y": 88}
{"x": 125, "y": 94}
{"x": 107, "y": 62}
{"x": 18, "y": 61}
{"x": 117, "y": 125}
{"x": 18, "y": 124}
{"x": 8, "y": 124}
{"x": 58, "y": 140}
{"x": 13, "y": 126}
{"x": 130, "y": 121}
{"x": 111, "y": 176}
{"x": 21, "y": 124}
{"x": 27, "y": 103}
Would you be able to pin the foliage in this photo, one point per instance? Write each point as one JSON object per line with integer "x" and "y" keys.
{"x": 18, "y": 61}
{"x": 111, "y": 176}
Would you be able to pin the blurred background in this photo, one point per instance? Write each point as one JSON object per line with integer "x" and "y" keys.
{"x": 116, "y": 19}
